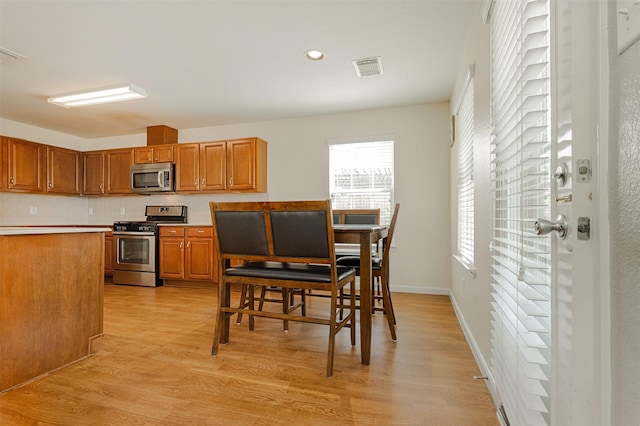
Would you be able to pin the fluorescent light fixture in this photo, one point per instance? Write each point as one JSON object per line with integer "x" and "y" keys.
{"x": 122, "y": 92}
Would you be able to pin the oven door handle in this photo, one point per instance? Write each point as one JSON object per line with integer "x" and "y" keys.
{"x": 141, "y": 234}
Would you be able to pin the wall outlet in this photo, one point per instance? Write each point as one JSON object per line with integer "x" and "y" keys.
{"x": 122, "y": 211}
{"x": 33, "y": 210}
{"x": 90, "y": 211}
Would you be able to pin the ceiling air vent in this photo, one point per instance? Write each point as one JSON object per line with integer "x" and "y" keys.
{"x": 368, "y": 66}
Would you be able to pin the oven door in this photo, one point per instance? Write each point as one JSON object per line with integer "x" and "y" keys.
{"x": 135, "y": 251}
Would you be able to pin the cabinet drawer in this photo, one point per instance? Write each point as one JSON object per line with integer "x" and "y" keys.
{"x": 200, "y": 231}
{"x": 172, "y": 231}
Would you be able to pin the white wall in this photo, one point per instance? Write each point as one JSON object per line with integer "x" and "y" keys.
{"x": 471, "y": 295}
{"x": 298, "y": 169}
{"x": 624, "y": 205}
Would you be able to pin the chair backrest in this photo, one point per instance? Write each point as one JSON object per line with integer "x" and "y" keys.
{"x": 292, "y": 231}
{"x": 357, "y": 216}
{"x": 387, "y": 240}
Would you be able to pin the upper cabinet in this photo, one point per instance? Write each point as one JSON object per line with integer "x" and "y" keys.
{"x": 63, "y": 170}
{"x": 3, "y": 162}
{"x": 238, "y": 165}
{"x": 25, "y": 165}
{"x": 94, "y": 173}
{"x": 247, "y": 165}
{"x": 200, "y": 167}
{"x": 118, "y": 169}
{"x": 153, "y": 154}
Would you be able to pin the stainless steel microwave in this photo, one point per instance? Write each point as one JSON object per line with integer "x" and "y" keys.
{"x": 152, "y": 178}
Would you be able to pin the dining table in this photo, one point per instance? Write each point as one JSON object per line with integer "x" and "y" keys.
{"x": 364, "y": 236}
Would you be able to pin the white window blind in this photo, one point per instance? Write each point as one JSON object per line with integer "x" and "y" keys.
{"x": 521, "y": 275}
{"x": 361, "y": 176}
{"x": 464, "y": 134}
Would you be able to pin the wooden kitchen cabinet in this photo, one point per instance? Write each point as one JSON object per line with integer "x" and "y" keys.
{"x": 238, "y": 165}
{"x": 3, "y": 162}
{"x": 26, "y": 165}
{"x": 93, "y": 172}
{"x": 153, "y": 154}
{"x": 118, "y": 166}
{"x": 63, "y": 170}
{"x": 187, "y": 171}
{"x": 247, "y": 165}
{"x": 186, "y": 253}
{"x": 108, "y": 253}
{"x": 201, "y": 167}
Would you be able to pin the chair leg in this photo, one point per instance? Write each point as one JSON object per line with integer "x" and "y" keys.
{"x": 221, "y": 331}
{"x": 352, "y": 312}
{"x": 243, "y": 300}
{"x": 388, "y": 308}
{"x": 285, "y": 307}
{"x": 252, "y": 304}
{"x": 332, "y": 331}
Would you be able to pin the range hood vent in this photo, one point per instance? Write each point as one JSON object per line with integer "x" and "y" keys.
{"x": 368, "y": 66}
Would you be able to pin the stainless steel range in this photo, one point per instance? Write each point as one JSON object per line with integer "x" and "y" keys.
{"x": 135, "y": 246}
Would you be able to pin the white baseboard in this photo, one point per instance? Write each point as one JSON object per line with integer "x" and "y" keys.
{"x": 484, "y": 367}
{"x": 421, "y": 290}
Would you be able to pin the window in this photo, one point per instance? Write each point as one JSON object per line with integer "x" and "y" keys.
{"x": 520, "y": 177}
{"x": 464, "y": 132}
{"x": 361, "y": 176}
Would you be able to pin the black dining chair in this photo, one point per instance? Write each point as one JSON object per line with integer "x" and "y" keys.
{"x": 380, "y": 274}
{"x": 289, "y": 245}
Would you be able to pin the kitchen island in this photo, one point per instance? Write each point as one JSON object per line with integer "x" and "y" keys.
{"x": 51, "y": 298}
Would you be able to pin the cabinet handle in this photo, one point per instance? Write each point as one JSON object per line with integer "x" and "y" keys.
{"x": 230, "y": 181}
{"x": 203, "y": 182}
{"x": 50, "y": 185}
{"x": 11, "y": 181}
{"x": 173, "y": 231}
{"x": 200, "y": 231}
{"x": 180, "y": 245}
{"x": 189, "y": 244}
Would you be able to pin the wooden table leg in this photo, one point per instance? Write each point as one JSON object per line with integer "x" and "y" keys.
{"x": 365, "y": 297}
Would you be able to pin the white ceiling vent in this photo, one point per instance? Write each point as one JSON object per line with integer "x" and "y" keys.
{"x": 368, "y": 66}
{"x": 7, "y": 55}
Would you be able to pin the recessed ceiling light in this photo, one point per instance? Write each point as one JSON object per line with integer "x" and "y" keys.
{"x": 104, "y": 95}
{"x": 314, "y": 55}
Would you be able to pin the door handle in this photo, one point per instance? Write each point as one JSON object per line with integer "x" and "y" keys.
{"x": 543, "y": 226}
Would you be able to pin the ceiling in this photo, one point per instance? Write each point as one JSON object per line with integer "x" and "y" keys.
{"x": 209, "y": 63}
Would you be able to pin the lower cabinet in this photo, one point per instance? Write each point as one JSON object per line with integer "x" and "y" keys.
{"x": 108, "y": 253}
{"x": 186, "y": 253}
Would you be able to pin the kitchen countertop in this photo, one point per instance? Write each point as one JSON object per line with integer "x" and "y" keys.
{"x": 34, "y": 230}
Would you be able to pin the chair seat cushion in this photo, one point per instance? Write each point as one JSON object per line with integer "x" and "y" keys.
{"x": 354, "y": 262}
{"x": 289, "y": 271}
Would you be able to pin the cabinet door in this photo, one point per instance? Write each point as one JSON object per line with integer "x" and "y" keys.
{"x": 25, "y": 162}
{"x": 63, "y": 170}
{"x": 213, "y": 175}
{"x": 93, "y": 173}
{"x": 172, "y": 258}
{"x": 163, "y": 154}
{"x": 108, "y": 255}
{"x": 143, "y": 155}
{"x": 198, "y": 259}
{"x": 119, "y": 163}
{"x": 3, "y": 162}
{"x": 247, "y": 165}
{"x": 187, "y": 167}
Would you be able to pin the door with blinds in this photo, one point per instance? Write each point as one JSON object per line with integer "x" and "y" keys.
{"x": 537, "y": 259}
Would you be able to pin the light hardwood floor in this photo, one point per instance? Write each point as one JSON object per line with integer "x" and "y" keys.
{"x": 153, "y": 367}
